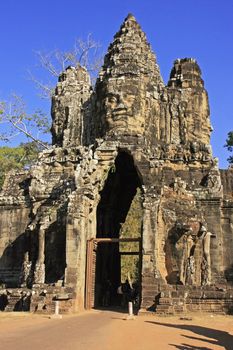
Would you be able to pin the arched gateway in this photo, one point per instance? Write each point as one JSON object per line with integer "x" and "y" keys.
{"x": 130, "y": 188}
{"x": 115, "y": 254}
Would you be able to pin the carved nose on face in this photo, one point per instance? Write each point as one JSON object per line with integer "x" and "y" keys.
{"x": 121, "y": 105}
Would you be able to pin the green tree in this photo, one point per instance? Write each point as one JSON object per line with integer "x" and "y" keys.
{"x": 229, "y": 145}
{"x": 20, "y": 157}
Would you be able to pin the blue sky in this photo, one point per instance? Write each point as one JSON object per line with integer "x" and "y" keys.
{"x": 202, "y": 29}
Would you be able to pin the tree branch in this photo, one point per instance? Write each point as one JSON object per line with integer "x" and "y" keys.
{"x": 28, "y": 134}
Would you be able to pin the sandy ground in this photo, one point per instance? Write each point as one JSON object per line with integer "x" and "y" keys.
{"x": 107, "y": 330}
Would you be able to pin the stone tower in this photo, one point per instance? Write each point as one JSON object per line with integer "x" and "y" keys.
{"x": 70, "y": 112}
{"x": 130, "y": 173}
{"x": 128, "y": 83}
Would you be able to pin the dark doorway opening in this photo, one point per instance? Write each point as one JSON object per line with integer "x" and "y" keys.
{"x": 55, "y": 252}
{"x": 118, "y": 219}
{"x": 104, "y": 295}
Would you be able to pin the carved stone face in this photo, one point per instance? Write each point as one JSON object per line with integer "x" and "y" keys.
{"x": 124, "y": 107}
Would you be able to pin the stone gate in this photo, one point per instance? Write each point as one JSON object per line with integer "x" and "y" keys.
{"x": 131, "y": 132}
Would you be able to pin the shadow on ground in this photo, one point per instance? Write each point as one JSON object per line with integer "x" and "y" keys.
{"x": 112, "y": 309}
{"x": 212, "y": 336}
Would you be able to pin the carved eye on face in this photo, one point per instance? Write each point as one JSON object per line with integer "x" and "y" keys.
{"x": 130, "y": 99}
{"x": 112, "y": 99}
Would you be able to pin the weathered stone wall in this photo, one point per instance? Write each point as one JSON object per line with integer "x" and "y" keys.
{"x": 13, "y": 242}
{"x": 226, "y": 222}
{"x": 227, "y": 182}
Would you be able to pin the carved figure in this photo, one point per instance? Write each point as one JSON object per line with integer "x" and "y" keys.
{"x": 214, "y": 182}
{"x": 25, "y": 274}
{"x": 179, "y": 185}
{"x": 206, "y": 261}
{"x": 187, "y": 269}
{"x": 184, "y": 242}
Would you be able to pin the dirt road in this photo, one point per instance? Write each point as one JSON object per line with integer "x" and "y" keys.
{"x": 105, "y": 330}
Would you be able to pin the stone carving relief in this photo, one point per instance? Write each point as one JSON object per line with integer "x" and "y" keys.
{"x": 205, "y": 236}
{"x": 26, "y": 277}
{"x": 213, "y": 182}
{"x": 124, "y": 107}
{"x": 189, "y": 245}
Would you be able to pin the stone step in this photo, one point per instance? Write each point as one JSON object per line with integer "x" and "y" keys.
{"x": 149, "y": 295}
{"x": 149, "y": 280}
{"x": 147, "y": 303}
{"x": 150, "y": 285}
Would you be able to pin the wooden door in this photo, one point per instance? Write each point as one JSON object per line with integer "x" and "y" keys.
{"x": 90, "y": 274}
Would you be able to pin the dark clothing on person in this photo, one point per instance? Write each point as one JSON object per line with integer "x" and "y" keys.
{"x": 127, "y": 291}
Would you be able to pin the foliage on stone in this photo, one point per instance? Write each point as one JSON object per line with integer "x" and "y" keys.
{"x": 229, "y": 145}
{"x": 131, "y": 228}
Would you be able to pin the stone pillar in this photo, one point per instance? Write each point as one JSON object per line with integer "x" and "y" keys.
{"x": 147, "y": 247}
{"x": 39, "y": 275}
{"x": 149, "y": 232}
{"x": 206, "y": 263}
{"x": 149, "y": 282}
{"x": 76, "y": 237}
{"x": 168, "y": 125}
